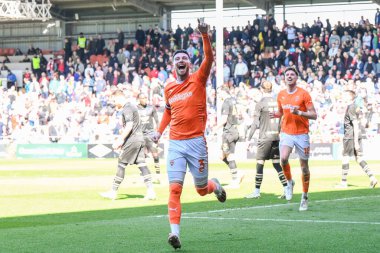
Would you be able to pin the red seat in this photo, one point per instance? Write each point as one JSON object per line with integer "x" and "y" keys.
{"x": 59, "y": 52}
{"x": 101, "y": 59}
{"x": 1, "y": 51}
{"x": 93, "y": 59}
{"x": 11, "y": 51}
{"x": 47, "y": 51}
{"x": 5, "y": 51}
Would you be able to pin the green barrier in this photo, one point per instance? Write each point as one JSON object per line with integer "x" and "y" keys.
{"x": 51, "y": 151}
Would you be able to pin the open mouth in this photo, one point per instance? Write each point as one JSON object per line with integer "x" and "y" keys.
{"x": 181, "y": 66}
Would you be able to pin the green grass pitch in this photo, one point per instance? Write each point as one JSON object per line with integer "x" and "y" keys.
{"x": 54, "y": 206}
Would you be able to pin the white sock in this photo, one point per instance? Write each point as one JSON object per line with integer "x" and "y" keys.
{"x": 304, "y": 195}
{"x": 175, "y": 229}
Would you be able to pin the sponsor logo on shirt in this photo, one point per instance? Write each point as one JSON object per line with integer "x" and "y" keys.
{"x": 288, "y": 106}
{"x": 179, "y": 97}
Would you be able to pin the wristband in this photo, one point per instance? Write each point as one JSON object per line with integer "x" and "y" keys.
{"x": 299, "y": 113}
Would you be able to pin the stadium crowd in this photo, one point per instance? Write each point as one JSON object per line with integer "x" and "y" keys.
{"x": 67, "y": 99}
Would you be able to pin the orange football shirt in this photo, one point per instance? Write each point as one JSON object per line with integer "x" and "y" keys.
{"x": 291, "y": 123}
{"x": 187, "y": 101}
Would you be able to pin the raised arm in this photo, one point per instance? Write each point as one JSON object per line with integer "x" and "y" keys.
{"x": 205, "y": 68}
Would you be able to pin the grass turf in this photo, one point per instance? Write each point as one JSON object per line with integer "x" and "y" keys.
{"x": 54, "y": 206}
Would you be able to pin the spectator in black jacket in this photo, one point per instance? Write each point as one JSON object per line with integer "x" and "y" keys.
{"x": 140, "y": 36}
{"x": 100, "y": 44}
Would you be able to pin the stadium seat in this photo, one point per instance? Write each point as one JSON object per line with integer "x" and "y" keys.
{"x": 47, "y": 51}
{"x": 59, "y": 52}
{"x": 101, "y": 59}
{"x": 11, "y": 51}
{"x": 93, "y": 59}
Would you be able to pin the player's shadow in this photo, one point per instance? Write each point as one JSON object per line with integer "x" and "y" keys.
{"x": 129, "y": 196}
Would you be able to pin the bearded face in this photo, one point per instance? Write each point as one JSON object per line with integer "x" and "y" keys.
{"x": 182, "y": 65}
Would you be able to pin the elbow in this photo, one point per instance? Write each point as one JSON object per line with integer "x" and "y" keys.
{"x": 314, "y": 116}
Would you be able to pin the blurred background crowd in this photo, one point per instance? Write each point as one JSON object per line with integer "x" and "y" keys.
{"x": 66, "y": 99}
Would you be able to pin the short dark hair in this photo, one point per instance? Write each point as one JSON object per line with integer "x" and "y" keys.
{"x": 291, "y": 69}
{"x": 181, "y": 51}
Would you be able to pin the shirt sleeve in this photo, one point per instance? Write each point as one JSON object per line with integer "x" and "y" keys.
{"x": 256, "y": 115}
{"x": 279, "y": 104}
{"x": 352, "y": 114}
{"x": 167, "y": 105}
{"x": 128, "y": 114}
{"x": 307, "y": 100}
{"x": 205, "y": 68}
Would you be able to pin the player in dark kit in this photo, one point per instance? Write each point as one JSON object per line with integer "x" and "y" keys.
{"x": 148, "y": 114}
{"x": 230, "y": 137}
{"x": 352, "y": 141}
{"x": 131, "y": 146}
{"x": 268, "y": 143}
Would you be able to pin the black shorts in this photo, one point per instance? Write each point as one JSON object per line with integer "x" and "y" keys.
{"x": 150, "y": 145}
{"x": 349, "y": 148}
{"x": 268, "y": 150}
{"x": 132, "y": 153}
{"x": 229, "y": 140}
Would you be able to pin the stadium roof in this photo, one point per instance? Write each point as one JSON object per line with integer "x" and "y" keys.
{"x": 106, "y": 9}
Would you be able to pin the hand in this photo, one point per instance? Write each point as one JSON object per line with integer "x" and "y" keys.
{"x": 294, "y": 110}
{"x": 272, "y": 115}
{"x": 357, "y": 147}
{"x": 155, "y": 136}
{"x": 118, "y": 143}
{"x": 250, "y": 145}
{"x": 202, "y": 27}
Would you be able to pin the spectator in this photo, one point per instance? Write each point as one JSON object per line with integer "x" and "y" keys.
{"x": 334, "y": 39}
{"x": 140, "y": 36}
{"x": 241, "y": 70}
{"x": 377, "y": 17}
{"x": 120, "y": 40}
{"x": 100, "y": 44}
{"x": 12, "y": 80}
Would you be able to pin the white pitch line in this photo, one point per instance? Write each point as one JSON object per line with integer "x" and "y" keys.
{"x": 283, "y": 220}
{"x": 271, "y": 206}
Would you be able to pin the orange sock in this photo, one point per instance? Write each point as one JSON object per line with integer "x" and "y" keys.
{"x": 211, "y": 186}
{"x": 174, "y": 205}
{"x": 207, "y": 189}
{"x": 305, "y": 182}
{"x": 287, "y": 173}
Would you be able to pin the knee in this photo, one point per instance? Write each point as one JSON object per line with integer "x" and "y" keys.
{"x": 305, "y": 170}
{"x": 231, "y": 157}
{"x": 175, "y": 189}
{"x": 346, "y": 160}
{"x": 284, "y": 161}
{"x": 260, "y": 162}
{"x": 202, "y": 191}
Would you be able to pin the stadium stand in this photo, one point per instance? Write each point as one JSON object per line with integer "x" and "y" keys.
{"x": 66, "y": 100}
